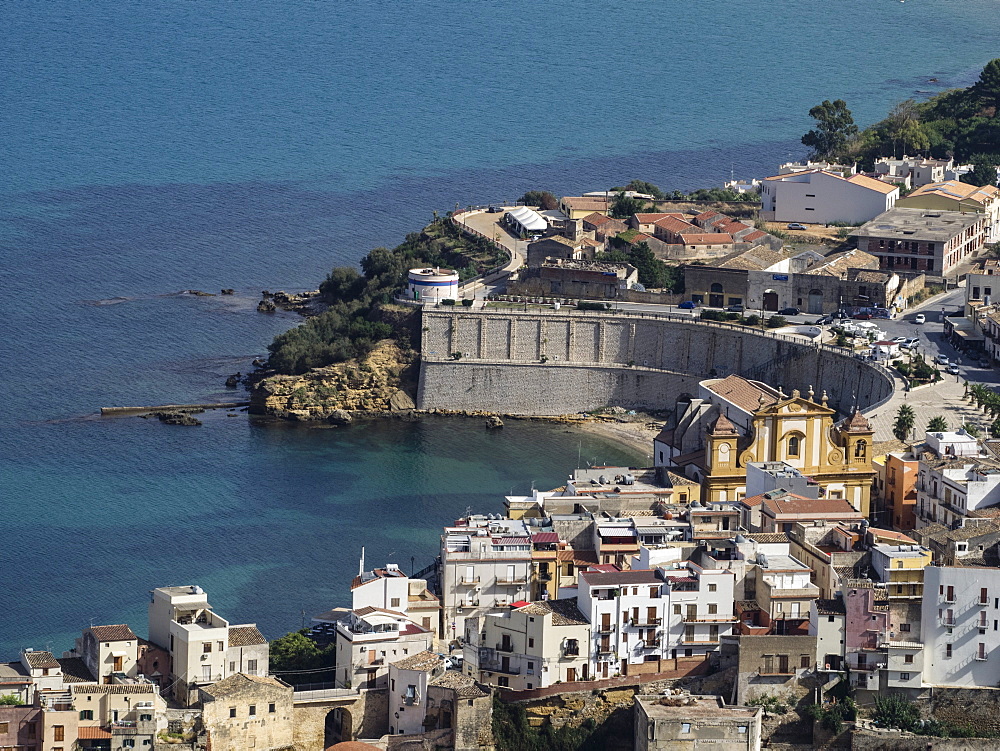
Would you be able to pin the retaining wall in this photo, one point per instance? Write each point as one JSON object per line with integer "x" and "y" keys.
{"x": 547, "y": 362}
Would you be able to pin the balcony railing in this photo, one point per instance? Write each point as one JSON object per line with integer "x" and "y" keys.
{"x": 575, "y": 652}
{"x": 605, "y": 650}
{"x": 130, "y": 727}
{"x": 606, "y": 628}
{"x": 469, "y": 580}
{"x": 499, "y": 668}
{"x": 516, "y": 581}
{"x": 946, "y": 621}
{"x": 644, "y": 622}
{"x": 710, "y": 619}
{"x": 651, "y": 644}
{"x": 508, "y": 648}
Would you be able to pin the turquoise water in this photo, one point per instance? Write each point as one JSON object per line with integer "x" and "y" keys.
{"x": 154, "y": 148}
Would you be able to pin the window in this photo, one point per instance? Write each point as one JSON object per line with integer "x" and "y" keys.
{"x": 981, "y": 652}
{"x": 4, "y": 727}
{"x": 831, "y": 618}
{"x": 984, "y": 596}
{"x": 232, "y": 667}
{"x": 742, "y": 729}
{"x": 677, "y": 609}
{"x": 206, "y": 647}
{"x": 232, "y": 711}
{"x": 252, "y": 666}
{"x": 253, "y": 710}
{"x": 860, "y": 449}
{"x": 908, "y": 659}
{"x": 803, "y": 661}
{"x": 221, "y": 647}
{"x": 713, "y": 608}
{"x": 793, "y": 446}
{"x": 904, "y": 626}
{"x": 394, "y": 602}
{"x": 271, "y": 708}
{"x": 145, "y": 718}
{"x": 947, "y": 650}
{"x": 503, "y": 682}
{"x": 713, "y": 587}
{"x": 950, "y": 597}
{"x": 128, "y": 743}
{"x": 685, "y": 727}
{"x": 86, "y": 714}
{"x": 904, "y": 676}
{"x": 58, "y": 732}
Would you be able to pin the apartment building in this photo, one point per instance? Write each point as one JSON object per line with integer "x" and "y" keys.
{"x": 486, "y": 565}
{"x": 700, "y": 610}
{"x": 784, "y": 595}
{"x": 369, "y": 640}
{"x": 817, "y": 196}
{"x": 954, "y": 195}
{"x": 933, "y": 242}
{"x": 827, "y": 620}
{"x": 956, "y": 476}
{"x": 204, "y": 647}
{"x": 960, "y": 626}
{"x": 408, "y": 679}
{"x": 389, "y": 588}
{"x": 118, "y": 715}
{"x": 901, "y": 569}
{"x": 533, "y": 645}
{"x": 665, "y": 723}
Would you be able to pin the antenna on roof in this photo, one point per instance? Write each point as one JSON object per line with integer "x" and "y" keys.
{"x": 361, "y": 564}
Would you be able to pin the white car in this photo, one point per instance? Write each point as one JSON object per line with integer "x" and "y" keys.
{"x": 910, "y": 343}
{"x": 900, "y": 340}
{"x": 953, "y": 368}
{"x": 921, "y": 318}
{"x": 941, "y": 359}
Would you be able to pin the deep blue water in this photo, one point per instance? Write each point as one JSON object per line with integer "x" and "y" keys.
{"x": 150, "y": 148}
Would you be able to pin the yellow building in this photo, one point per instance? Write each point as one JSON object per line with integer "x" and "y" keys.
{"x": 901, "y": 569}
{"x": 735, "y": 421}
{"x": 952, "y": 195}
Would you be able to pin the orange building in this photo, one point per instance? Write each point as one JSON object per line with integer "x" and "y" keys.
{"x": 900, "y": 491}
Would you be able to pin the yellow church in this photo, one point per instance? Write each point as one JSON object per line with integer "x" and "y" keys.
{"x": 735, "y": 421}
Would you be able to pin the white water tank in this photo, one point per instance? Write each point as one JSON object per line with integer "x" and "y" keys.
{"x": 433, "y": 284}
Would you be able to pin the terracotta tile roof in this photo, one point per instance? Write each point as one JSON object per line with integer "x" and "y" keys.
{"x": 817, "y": 507}
{"x": 858, "y": 423}
{"x": 706, "y": 238}
{"x": 597, "y": 219}
{"x": 767, "y": 537}
{"x": 756, "y": 235}
{"x": 245, "y": 636}
{"x": 75, "y": 670}
{"x": 830, "y": 607}
{"x": 673, "y": 224}
{"x": 585, "y": 557}
{"x": 117, "y": 688}
{"x": 236, "y": 683}
{"x": 747, "y": 395}
{"x": 464, "y": 686}
{"x": 120, "y": 632}
{"x": 722, "y": 426}
{"x": 706, "y": 215}
{"x": 368, "y": 610}
{"x": 92, "y": 733}
{"x": 872, "y": 277}
{"x": 889, "y": 534}
{"x": 652, "y": 218}
{"x": 39, "y": 660}
{"x": 872, "y": 183}
{"x": 421, "y": 661}
{"x": 564, "y": 612}
{"x": 616, "y": 578}
{"x": 756, "y": 258}
{"x": 545, "y": 537}
{"x": 582, "y": 203}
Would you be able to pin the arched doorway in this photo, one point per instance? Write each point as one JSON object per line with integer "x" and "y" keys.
{"x": 816, "y": 301}
{"x": 339, "y": 726}
{"x": 717, "y": 296}
{"x": 770, "y": 300}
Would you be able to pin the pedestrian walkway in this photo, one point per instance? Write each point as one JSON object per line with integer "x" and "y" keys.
{"x": 943, "y": 399}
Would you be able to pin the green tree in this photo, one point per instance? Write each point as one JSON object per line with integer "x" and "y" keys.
{"x": 972, "y": 430}
{"x": 987, "y": 88}
{"x": 622, "y": 207}
{"x": 984, "y": 170}
{"x": 895, "y": 711}
{"x": 937, "y": 424}
{"x": 641, "y": 186}
{"x": 10, "y": 700}
{"x": 905, "y": 419}
{"x": 834, "y": 130}
{"x": 540, "y": 198}
{"x": 343, "y": 283}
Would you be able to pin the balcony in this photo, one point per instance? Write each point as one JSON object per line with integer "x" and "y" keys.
{"x": 517, "y": 581}
{"x": 651, "y": 644}
{"x": 495, "y": 667}
{"x": 505, "y": 647}
{"x": 946, "y": 621}
{"x": 710, "y": 619}
{"x": 607, "y": 628}
{"x": 570, "y": 653}
{"x": 545, "y": 576}
{"x": 131, "y": 727}
{"x": 644, "y": 622}
{"x": 468, "y": 580}
{"x": 605, "y": 650}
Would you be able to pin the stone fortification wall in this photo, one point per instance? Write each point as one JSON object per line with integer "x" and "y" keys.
{"x": 548, "y": 362}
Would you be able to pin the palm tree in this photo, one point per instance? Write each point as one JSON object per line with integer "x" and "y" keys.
{"x": 905, "y": 419}
{"x": 937, "y": 425}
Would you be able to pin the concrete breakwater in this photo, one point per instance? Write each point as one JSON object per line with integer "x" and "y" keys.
{"x": 547, "y": 362}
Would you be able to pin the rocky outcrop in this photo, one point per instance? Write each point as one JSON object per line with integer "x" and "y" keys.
{"x": 376, "y": 384}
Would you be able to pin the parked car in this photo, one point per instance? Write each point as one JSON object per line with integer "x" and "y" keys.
{"x": 862, "y": 316}
{"x": 941, "y": 359}
{"x": 824, "y": 321}
{"x": 920, "y": 318}
{"x": 688, "y": 305}
{"x": 494, "y": 210}
{"x": 953, "y": 368}
{"x": 789, "y": 312}
{"x": 796, "y": 225}
{"x": 910, "y": 343}
{"x": 900, "y": 340}
{"x": 735, "y": 309}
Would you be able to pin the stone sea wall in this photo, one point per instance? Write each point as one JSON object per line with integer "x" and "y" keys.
{"x": 559, "y": 362}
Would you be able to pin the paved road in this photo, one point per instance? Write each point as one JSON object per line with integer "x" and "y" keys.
{"x": 489, "y": 225}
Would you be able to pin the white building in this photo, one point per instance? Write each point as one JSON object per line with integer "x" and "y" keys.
{"x": 391, "y": 589}
{"x": 408, "y": 679}
{"x": 700, "y": 611}
{"x": 826, "y": 623}
{"x": 962, "y": 477}
{"x": 819, "y": 197}
{"x": 531, "y": 646}
{"x": 371, "y": 639}
{"x": 432, "y": 285}
{"x": 960, "y": 626}
{"x": 204, "y": 648}
{"x": 485, "y": 566}
{"x": 914, "y": 170}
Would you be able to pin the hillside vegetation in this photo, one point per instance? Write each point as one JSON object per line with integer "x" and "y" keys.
{"x": 360, "y": 304}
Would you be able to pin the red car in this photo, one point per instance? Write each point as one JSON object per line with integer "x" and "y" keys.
{"x": 862, "y": 316}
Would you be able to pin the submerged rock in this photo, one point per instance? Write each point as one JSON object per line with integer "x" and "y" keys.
{"x": 233, "y": 381}
{"x": 176, "y": 418}
{"x": 228, "y": 291}
{"x": 340, "y": 417}
{"x": 494, "y": 422}
{"x": 266, "y": 306}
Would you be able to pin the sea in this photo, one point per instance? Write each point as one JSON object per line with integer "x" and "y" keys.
{"x": 149, "y": 149}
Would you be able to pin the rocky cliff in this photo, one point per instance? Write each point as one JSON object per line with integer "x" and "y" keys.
{"x": 384, "y": 381}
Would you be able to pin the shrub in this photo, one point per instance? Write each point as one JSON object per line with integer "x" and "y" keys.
{"x": 447, "y": 301}
{"x": 776, "y": 322}
{"x": 467, "y": 303}
{"x": 752, "y": 320}
{"x": 587, "y": 305}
